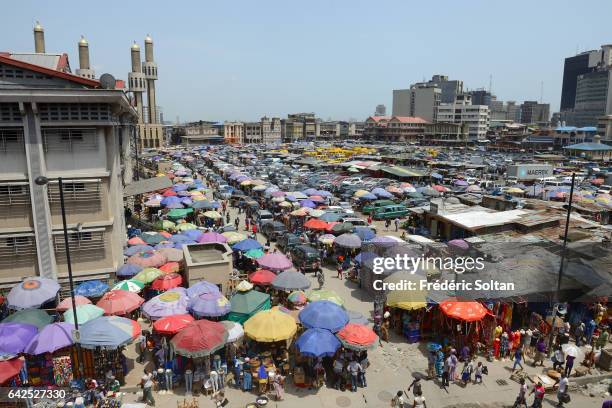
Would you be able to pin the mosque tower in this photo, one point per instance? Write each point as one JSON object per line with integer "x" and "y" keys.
{"x": 149, "y": 67}
{"x": 137, "y": 82}
{"x": 39, "y": 39}
{"x": 84, "y": 70}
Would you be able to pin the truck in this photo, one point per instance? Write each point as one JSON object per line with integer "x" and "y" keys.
{"x": 529, "y": 172}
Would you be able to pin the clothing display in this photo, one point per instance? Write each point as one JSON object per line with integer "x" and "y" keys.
{"x": 62, "y": 371}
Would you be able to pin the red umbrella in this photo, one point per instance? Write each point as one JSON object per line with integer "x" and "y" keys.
{"x": 469, "y": 311}
{"x": 165, "y": 282}
{"x": 357, "y": 336}
{"x": 200, "y": 338}
{"x": 10, "y": 368}
{"x": 262, "y": 277}
{"x": 169, "y": 193}
{"x": 439, "y": 188}
{"x": 165, "y": 234}
{"x": 172, "y": 324}
{"x": 330, "y": 226}
{"x": 136, "y": 241}
{"x": 170, "y": 267}
{"x": 119, "y": 302}
{"x": 67, "y": 303}
{"x": 315, "y": 224}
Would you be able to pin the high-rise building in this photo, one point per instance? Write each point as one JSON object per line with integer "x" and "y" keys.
{"x": 420, "y": 100}
{"x": 381, "y": 110}
{"x": 252, "y": 132}
{"x": 593, "y": 97}
{"x": 534, "y": 112}
{"x": 481, "y": 97}
{"x": 573, "y": 67}
{"x": 56, "y": 124}
{"x": 450, "y": 88}
{"x": 462, "y": 111}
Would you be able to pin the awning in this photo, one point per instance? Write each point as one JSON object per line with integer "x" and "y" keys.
{"x": 146, "y": 186}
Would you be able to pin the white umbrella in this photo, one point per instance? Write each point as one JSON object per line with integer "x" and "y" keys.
{"x": 572, "y": 350}
{"x": 234, "y": 331}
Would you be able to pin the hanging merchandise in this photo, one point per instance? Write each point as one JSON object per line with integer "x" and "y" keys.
{"x": 62, "y": 371}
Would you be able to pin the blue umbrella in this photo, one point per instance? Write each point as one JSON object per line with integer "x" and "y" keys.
{"x": 365, "y": 233}
{"x": 179, "y": 187}
{"x": 193, "y": 235}
{"x": 290, "y": 198}
{"x": 171, "y": 199}
{"x": 308, "y": 203}
{"x": 108, "y": 332}
{"x": 381, "y": 192}
{"x": 136, "y": 249}
{"x": 186, "y": 201}
{"x": 246, "y": 245}
{"x": 324, "y": 193}
{"x": 324, "y": 314}
{"x": 310, "y": 191}
{"x": 202, "y": 287}
{"x": 330, "y": 217}
{"x": 365, "y": 256}
{"x": 129, "y": 270}
{"x": 162, "y": 245}
{"x": 180, "y": 245}
{"x": 437, "y": 175}
{"x": 92, "y": 288}
{"x": 175, "y": 204}
{"x": 317, "y": 343}
{"x": 180, "y": 239}
{"x": 357, "y": 318}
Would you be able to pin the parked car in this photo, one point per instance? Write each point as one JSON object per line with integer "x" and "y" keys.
{"x": 306, "y": 258}
{"x": 273, "y": 229}
{"x": 227, "y": 228}
{"x": 287, "y": 241}
{"x": 263, "y": 216}
{"x": 358, "y": 222}
{"x": 368, "y": 208}
{"x": 390, "y": 212}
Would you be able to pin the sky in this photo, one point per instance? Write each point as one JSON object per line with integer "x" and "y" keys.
{"x": 242, "y": 59}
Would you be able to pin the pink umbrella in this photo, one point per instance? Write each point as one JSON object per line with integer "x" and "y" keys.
{"x": 67, "y": 303}
{"x": 136, "y": 241}
{"x": 148, "y": 259}
{"x": 211, "y": 237}
{"x": 275, "y": 262}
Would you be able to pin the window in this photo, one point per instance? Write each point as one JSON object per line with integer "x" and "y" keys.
{"x": 11, "y": 194}
{"x": 69, "y": 139}
{"x": 83, "y": 241}
{"x": 11, "y": 140}
{"x": 80, "y": 191}
{"x": 16, "y": 246}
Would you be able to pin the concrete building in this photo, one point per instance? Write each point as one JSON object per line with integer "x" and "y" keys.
{"x": 381, "y": 110}
{"x": 480, "y": 97}
{"x": 252, "y": 132}
{"x": 449, "y": 88}
{"x": 446, "y": 134}
{"x": 421, "y": 100}
{"x": 462, "y": 111}
{"x": 270, "y": 130}
{"x": 300, "y": 126}
{"x": 356, "y": 130}
{"x": 394, "y": 129}
{"x": 333, "y": 130}
{"x": 572, "y": 68}
{"x": 233, "y": 132}
{"x": 533, "y": 112}
{"x": 604, "y": 128}
{"x": 140, "y": 80}
{"x": 593, "y": 97}
{"x": 57, "y": 124}
{"x": 202, "y": 132}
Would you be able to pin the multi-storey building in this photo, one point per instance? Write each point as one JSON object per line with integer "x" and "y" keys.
{"x": 421, "y": 100}
{"x": 534, "y": 112}
{"x": 334, "y": 130}
{"x": 449, "y": 88}
{"x": 55, "y": 124}
{"x": 462, "y": 111}
{"x": 233, "y": 132}
{"x": 593, "y": 97}
{"x": 445, "y": 134}
{"x": 299, "y": 126}
{"x": 572, "y": 68}
{"x": 381, "y": 110}
{"x": 270, "y": 130}
{"x": 394, "y": 129}
{"x": 252, "y": 132}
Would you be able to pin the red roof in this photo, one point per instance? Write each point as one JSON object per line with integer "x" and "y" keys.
{"x": 51, "y": 72}
{"x": 409, "y": 119}
{"x": 379, "y": 118}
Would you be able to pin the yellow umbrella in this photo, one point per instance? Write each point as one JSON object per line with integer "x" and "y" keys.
{"x": 246, "y": 182}
{"x": 284, "y": 204}
{"x": 269, "y": 326}
{"x": 359, "y": 193}
{"x": 244, "y": 286}
{"x": 301, "y": 212}
{"x": 405, "y": 298}
{"x": 148, "y": 275}
{"x": 330, "y": 295}
{"x": 199, "y": 197}
{"x": 233, "y": 237}
{"x": 212, "y": 214}
{"x": 514, "y": 190}
{"x": 185, "y": 226}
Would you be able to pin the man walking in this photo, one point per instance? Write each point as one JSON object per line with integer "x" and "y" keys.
{"x": 396, "y": 221}
{"x": 354, "y": 368}
{"x": 147, "y": 387}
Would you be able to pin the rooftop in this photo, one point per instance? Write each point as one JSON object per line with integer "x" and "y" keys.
{"x": 589, "y": 146}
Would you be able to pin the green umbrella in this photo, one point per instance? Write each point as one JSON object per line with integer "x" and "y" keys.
{"x": 148, "y": 275}
{"x": 152, "y": 238}
{"x": 178, "y": 213}
{"x": 186, "y": 226}
{"x": 330, "y": 295}
{"x": 131, "y": 285}
{"x": 36, "y": 317}
{"x": 254, "y": 253}
{"x": 164, "y": 225}
{"x": 85, "y": 313}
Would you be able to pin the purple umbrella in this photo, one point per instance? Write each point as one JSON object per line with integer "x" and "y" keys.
{"x": 459, "y": 243}
{"x": 210, "y": 305}
{"x": 170, "y": 199}
{"x": 242, "y": 178}
{"x": 324, "y": 193}
{"x": 274, "y": 262}
{"x": 202, "y": 287}
{"x": 193, "y": 235}
{"x": 277, "y": 194}
{"x": 180, "y": 238}
{"x": 211, "y": 237}
{"x": 129, "y": 270}
{"x": 186, "y": 201}
{"x": 310, "y": 191}
{"x": 133, "y": 250}
{"x": 183, "y": 194}
{"x": 51, "y": 338}
{"x": 179, "y": 187}
{"x": 15, "y": 336}
{"x": 174, "y": 204}
{"x": 166, "y": 304}
{"x": 460, "y": 183}
{"x": 308, "y": 203}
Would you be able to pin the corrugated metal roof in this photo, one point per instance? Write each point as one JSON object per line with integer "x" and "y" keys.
{"x": 589, "y": 147}
{"x": 146, "y": 186}
{"x": 44, "y": 60}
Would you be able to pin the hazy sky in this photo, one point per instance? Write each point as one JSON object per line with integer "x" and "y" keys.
{"x": 227, "y": 60}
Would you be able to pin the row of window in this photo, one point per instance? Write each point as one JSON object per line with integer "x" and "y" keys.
{"x": 26, "y": 245}
{"x": 85, "y": 191}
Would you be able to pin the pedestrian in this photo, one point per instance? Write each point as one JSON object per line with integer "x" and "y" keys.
{"x": 569, "y": 365}
{"x": 416, "y": 383}
{"x": 579, "y": 333}
{"x": 562, "y": 395}
{"x": 453, "y": 365}
{"x": 227, "y": 217}
{"x": 431, "y": 365}
{"x": 247, "y": 224}
{"x": 370, "y": 219}
{"x": 478, "y": 373}
{"x": 337, "y": 367}
{"x": 540, "y": 353}
{"x": 538, "y": 392}
{"x": 339, "y": 270}
{"x": 446, "y": 372}
{"x": 364, "y": 363}
{"x": 278, "y": 381}
{"x": 354, "y": 367}
{"x": 602, "y": 341}
{"x": 387, "y": 224}
{"x": 146, "y": 382}
{"x": 254, "y": 229}
{"x": 419, "y": 400}
{"x": 439, "y": 363}
{"x": 590, "y": 330}
{"x": 384, "y": 328}
{"x": 320, "y": 279}
{"x": 237, "y": 222}
{"x": 518, "y": 358}
{"x": 398, "y": 401}
{"x": 558, "y": 358}
{"x": 141, "y": 347}
{"x": 521, "y": 399}
{"x": 396, "y": 221}
{"x": 466, "y": 372}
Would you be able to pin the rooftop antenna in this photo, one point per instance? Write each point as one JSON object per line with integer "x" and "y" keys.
{"x": 491, "y": 83}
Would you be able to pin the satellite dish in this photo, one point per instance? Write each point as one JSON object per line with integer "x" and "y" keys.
{"x": 107, "y": 81}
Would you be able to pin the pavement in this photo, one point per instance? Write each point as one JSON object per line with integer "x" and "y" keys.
{"x": 392, "y": 368}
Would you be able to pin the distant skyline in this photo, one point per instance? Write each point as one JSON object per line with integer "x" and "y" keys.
{"x": 241, "y": 60}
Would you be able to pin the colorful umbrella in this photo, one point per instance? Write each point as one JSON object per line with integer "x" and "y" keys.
{"x": 469, "y": 311}
{"x": 136, "y": 241}
{"x": 234, "y": 331}
{"x": 85, "y": 313}
{"x": 357, "y": 337}
{"x": 109, "y": 332}
{"x": 172, "y": 324}
{"x": 244, "y": 286}
{"x": 92, "y": 288}
{"x": 324, "y": 294}
{"x": 291, "y": 280}
{"x": 165, "y": 282}
{"x": 200, "y": 338}
{"x": 269, "y": 326}
{"x": 136, "y": 249}
{"x": 152, "y": 238}
{"x": 166, "y": 304}
{"x": 315, "y": 224}
{"x": 317, "y": 343}
{"x": 262, "y": 277}
{"x": 348, "y": 240}
{"x": 211, "y": 237}
{"x": 172, "y": 254}
{"x": 405, "y": 299}
{"x": 131, "y": 285}
{"x": 148, "y": 275}
{"x": 36, "y": 317}
{"x": 233, "y": 237}
{"x": 15, "y": 336}
{"x": 297, "y": 297}
{"x": 213, "y": 215}
{"x": 32, "y": 293}
{"x": 67, "y": 303}
{"x": 324, "y": 314}
{"x": 202, "y": 287}
{"x": 170, "y": 267}
{"x": 210, "y": 305}
{"x": 330, "y": 217}
{"x": 246, "y": 245}
{"x": 364, "y": 233}
{"x": 326, "y": 239}
{"x": 10, "y": 369}
{"x": 357, "y": 317}
{"x": 185, "y": 226}
{"x": 166, "y": 225}
{"x": 148, "y": 259}
{"x": 254, "y": 253}
{"x": 53, "y": 337}
{"x": 274, "y": 262}
{"x": 129, "y": 270}
{"x": 119, "y": 302}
